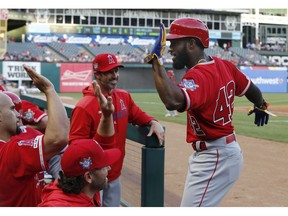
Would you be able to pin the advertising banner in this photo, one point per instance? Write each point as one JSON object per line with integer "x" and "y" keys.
{"x": 75, "y": 76}
{"x": 14, "y": 71}
{"x": 268, "y": 79}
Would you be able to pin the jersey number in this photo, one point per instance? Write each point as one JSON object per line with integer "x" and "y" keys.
{"x": 224, "y": 104}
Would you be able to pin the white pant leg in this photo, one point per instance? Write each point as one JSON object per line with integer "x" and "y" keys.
{"x": 111, "y": 195}
{"x": 211, "y": 174}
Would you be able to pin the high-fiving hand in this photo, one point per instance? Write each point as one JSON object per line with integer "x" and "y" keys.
{"x": 159, "y": 47}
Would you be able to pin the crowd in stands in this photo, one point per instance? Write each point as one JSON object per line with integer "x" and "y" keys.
{"x": 267, "y": 47}
{"x": 126, "y": 53}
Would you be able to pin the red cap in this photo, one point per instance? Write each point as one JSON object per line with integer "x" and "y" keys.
{"x": 85, "y": 155}
{"x": 2, "y": 88}
{"x": 105, "y": 62}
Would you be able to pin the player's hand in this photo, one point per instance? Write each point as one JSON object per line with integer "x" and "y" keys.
{"x": 261, "y": 114}
{"x": 41, "y": 82}
{"x": 159, "y": 47}
{"x": 156, "y": 127}
{"x": 106, "y": 104}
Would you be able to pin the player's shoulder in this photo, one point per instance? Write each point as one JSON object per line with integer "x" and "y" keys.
{"x": 26, "y": 131}
{"x": 120, "y": 91}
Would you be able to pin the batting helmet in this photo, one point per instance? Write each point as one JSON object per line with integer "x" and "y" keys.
{"x": 189, "y": 27}
{"x": 16, "y": 100}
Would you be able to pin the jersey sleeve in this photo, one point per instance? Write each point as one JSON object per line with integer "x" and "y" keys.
{"x": 192, "y": 88}
{"x": 105, "y": 142}
{"x": 80, "y": 124}
{"x": 26, "y": 156}
{"x": 243, "y": 81}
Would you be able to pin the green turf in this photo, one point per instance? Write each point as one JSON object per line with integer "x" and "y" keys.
{"x": 276, "y": 129}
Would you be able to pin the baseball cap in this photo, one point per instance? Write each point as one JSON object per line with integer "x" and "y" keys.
{"x": 85, "y": 155}
{"x": 105, "y": 62}
{"x": 2, "y": 88}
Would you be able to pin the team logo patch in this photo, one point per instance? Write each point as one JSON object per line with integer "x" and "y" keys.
{"x": 29, "y": 115}
{"x": 123, "y": 107}
{"x": 26, "y": 142}
{"x": 95, "y": 66}
{"x": 111, "y": 60}
{"x": 189, "y": 84}
{"x": 86, "y": 163}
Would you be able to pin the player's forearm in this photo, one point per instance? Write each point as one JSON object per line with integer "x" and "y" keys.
{"x": 169, "y": 92}
{"x": 254, "y": 95}
{"x": 106, "y": 127}
{"x": 58, "y": 123}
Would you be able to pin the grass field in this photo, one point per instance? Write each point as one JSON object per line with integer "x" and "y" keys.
{"x": 276, "y": 129}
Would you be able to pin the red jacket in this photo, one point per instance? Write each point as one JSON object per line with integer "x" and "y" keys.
{"x": 86, "y": 116}
{"x": 53, "y": 196}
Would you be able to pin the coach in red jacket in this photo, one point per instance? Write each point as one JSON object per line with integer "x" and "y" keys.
{"x": 86, "y": 115}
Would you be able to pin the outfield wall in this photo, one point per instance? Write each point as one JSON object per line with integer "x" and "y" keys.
{"x": 73, "y": 77}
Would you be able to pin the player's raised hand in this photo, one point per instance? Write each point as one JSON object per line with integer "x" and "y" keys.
{"x": 41, "y": 82}
{"x": 106, "y": 104}
{"x": 159, "y": 47}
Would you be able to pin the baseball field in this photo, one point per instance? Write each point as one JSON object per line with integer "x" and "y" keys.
{"x": 264, "y": 179}
{"x": 276, "y": 130}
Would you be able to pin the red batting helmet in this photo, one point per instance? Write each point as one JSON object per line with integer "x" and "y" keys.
{"x": 16, "y": 100}
{"x": 189, "y": 27}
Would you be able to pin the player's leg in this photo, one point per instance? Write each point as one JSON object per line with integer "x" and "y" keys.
{"x": 211, "y": 174}
{"x": 174, "y": 113}
{"x": 111, "y": 195}
{"x": 167, "y": 113}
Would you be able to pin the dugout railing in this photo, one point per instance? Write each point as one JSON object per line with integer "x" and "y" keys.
{"x": 152, "y": 159}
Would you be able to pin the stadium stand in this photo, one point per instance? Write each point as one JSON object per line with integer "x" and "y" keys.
{"x": 126, "y": 53}
{"x": 71, "y": 52}
{"x": 253, "y": 57}
{"x": 31, "y": 52}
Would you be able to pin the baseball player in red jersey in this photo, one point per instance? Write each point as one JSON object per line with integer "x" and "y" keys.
{"x": 34, "y": 117}
{"x": 86, "y": 115}
{"x": 85, "y": 164}
{"x": 206, "y": 92}
{"x": 38, "y": 120}
{"x": 24, "y": 151}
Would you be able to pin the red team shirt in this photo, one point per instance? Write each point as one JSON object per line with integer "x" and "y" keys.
{"x": 209, "y": 89}
{"x": 53, "y": 196}
{"x": 21, "y": 159}
{"x": 88, "y": 111}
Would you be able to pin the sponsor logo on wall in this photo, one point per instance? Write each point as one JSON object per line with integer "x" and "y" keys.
{"x": 75, "y": 77}
{"x": 14, "y": 71}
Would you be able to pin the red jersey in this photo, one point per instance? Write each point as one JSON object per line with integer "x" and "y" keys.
{"x": 209, "y": 90}
{"x": 21, "y": 159}
{"x": 53, "y": 196}
{"x": 31, "y": 113}
{"x": 87, "y": 113}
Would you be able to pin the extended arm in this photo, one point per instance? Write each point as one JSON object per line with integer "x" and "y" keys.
{"x": 170, "y": 94}
{"x": 56, "y": 134}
